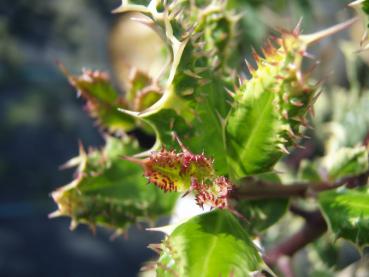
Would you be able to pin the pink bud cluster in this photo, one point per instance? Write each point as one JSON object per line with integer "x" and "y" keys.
{"x": 215, "y": 194}
{"x": 187, "y": 172}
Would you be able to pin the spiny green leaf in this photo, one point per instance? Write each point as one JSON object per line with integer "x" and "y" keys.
{"x": 347, "y": 162}
{"x": 193, "y": 125}
{"x": 102, "y": 100}
{"x": 211, "y": 244}
{"x": 269, "y": 109}
{"x": 207, "y": 107}
{"x": 347, "y": 213}
{"x": 201, "y": 36}
{"x": 109, "y": 191}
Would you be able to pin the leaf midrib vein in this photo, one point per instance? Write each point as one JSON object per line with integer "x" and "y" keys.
{"x": 211, "y": 248}
{"x": 256, "y": 126}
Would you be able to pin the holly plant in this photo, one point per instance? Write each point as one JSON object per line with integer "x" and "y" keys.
{"x": 254, "y": 146}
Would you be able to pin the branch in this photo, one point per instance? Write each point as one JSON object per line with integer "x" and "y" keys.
{"x": 252, "y": 189}
{"x": 296, "y": 210}
{"x": 313, "y": 228}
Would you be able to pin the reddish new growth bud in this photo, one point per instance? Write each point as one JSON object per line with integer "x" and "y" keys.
{"x": 186, "y": 172}
{"x": 215, "y": 194}
{"x": 173, "y": 171}
{"x": 161, "y": 169}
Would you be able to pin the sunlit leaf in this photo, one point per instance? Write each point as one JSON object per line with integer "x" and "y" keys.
{"x": 211, "y": 244}
{"x": 347, "y": 162}
{"x": 269, "y": 109}
{"x": 347, "y": 213}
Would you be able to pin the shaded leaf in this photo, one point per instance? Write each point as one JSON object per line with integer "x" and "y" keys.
{"x": 109, "y": 191}
{"x": 308, "y": 172}
{"x": 324, "y": 253}
{"x": 261, "y": 214}
{"x": 194, "y": 97}
{"x": 366, "y": 7}
{"x": 197, "y": 112}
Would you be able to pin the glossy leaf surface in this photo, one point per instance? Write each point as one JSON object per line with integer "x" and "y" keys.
{"x": 347, "y": 213}
{"x": 211, "y": 244}
{"x": 269, "y": 109}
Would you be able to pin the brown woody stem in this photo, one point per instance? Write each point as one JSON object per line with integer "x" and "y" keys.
{"x": 252, "y": 189}
{"x": 313, "y": 228}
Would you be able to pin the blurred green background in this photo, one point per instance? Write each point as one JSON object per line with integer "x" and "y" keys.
{"x": 42, "y": 121}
